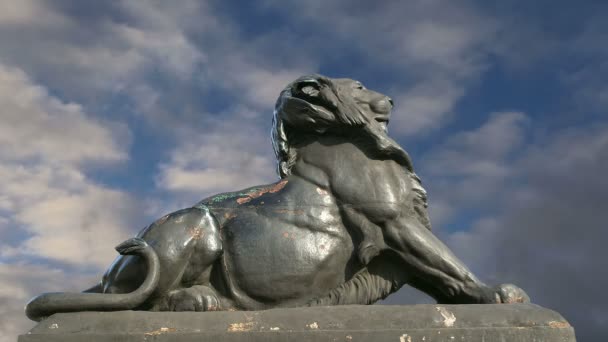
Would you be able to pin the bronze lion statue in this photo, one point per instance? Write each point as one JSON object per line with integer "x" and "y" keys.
{"x": 347, "y": 223}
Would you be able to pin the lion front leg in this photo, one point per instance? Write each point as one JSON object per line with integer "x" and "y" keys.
{"x": 435, "y": 270}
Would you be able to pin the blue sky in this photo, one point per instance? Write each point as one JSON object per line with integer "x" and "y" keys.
{"x": 115, "y": 113}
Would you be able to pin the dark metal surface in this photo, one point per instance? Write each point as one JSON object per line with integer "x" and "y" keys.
{"x": 346, "y": 224}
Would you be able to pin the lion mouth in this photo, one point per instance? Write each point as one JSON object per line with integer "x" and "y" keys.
{"x": 383, "y": 121}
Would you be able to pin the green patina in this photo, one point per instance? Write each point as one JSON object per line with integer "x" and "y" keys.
{"x": 221, "y": 197}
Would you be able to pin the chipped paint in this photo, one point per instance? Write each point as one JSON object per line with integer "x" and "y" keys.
{"x": 54, "y": 326}
{"x": 313, "y": 326}
{"x": 243, "y": 200}
{"x": 162, "y": 330}
{"x": 246, "y": 326}
{"x": 162, "y": 220}
{"x": 286, "y": 235}
{"x": 405, "y": 338}
{"x": 275, "y": 328}
{"x": 448, "y": 317}
{"x": 196, "y": 233}
{"x": 290, "y": 211}
{"x": 556, "y": 324}
{"x": 258, "y": 192}
{"x": 229, "y": 215}
{"x": 348, "y": 337}
{"x": 322, "y": 191}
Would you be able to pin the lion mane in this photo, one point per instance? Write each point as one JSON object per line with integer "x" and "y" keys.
{"x": 335, "y": 110}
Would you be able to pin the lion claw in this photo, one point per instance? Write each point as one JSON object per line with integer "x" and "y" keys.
{"x": 511, "y": 294}
{"x": 367, "y": 251}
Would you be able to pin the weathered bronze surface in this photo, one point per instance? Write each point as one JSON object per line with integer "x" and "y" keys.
{"x": 346, "y": 224}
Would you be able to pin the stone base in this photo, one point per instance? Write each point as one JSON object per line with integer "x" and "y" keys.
{"x": 376, "y": 323}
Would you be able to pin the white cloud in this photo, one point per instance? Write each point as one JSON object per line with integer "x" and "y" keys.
{"x": 68, "y": 219}
{"x": 482, "y": 151}
{"x": 551, "y": 239}
{"x": 424, "y": 107}
{"x": 228, "y": 156}
{"x": 259, "y": 86}
{"x": 36, "y": 125}
{"x": 29, "y": 13}
{"x": 45, "y": 194}
{"x": 20, "y": 282}
{"x": 469, "y": 169}
{"x": 440, "y": 48}
{"x": 170, "y": 49}
{"x": 103, "y": 55}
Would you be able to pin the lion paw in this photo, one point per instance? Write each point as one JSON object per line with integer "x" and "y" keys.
{"x": 195, "y": 298}
{"x": 510, "y": 294}
{"x": 367, "y": 251}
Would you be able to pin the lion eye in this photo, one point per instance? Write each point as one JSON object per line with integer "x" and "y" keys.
{"x": 359, "y": 86}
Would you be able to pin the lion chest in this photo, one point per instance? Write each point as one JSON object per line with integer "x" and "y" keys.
{"x": 377, "y": 188}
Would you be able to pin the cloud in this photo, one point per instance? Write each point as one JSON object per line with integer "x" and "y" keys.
{"x": 29, "y": 13}
{"x": 92, "y": 54}
{"x": 439, "y": 49}
{"x": 469, "y": 169}
{"x": 21, "y": 281}
{"x": 38, "y": 126}
{"x": 424, "y": 106}
{"x": 583, "y": 74}
{"x": 228, "y": 155}
{"x": 59, "y": 212}
{"x": 540, "y": 213}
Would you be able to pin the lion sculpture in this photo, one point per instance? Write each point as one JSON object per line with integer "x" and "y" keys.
{"x": 346, "y": 224}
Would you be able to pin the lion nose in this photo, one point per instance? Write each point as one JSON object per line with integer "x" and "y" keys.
{"x": 382, "y": 105}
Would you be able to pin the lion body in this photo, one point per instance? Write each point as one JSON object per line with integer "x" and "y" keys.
{"x": 346, "y": 224}
{"x": 283, "y": 243}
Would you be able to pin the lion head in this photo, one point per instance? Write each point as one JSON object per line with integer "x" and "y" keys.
{"x": 316, "y": 104}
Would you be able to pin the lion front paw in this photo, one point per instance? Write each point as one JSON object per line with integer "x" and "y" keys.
{"x": 367, "y": 251}
{"x": 195, "y": 298}
{"x": 510, "y": 294}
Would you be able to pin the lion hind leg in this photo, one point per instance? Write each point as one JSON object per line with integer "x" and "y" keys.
{"x": 196, "y": 298}
{"x": 187, "y": 243}
{"x": 379, "y": 279}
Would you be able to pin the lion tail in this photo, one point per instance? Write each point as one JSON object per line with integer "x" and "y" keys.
{"x": 47, "y": 304}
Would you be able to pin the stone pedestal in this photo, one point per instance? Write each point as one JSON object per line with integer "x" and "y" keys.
{"x": 375, "y": 323}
